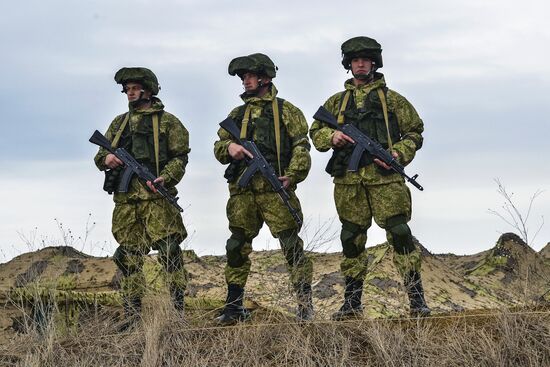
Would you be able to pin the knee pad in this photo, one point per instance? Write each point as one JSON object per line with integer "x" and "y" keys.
{"x": 291, "y": 245}
{"x": 233, "y": 248}
{"x": 173, "y": 261}
{"x": 348, "y": 236}
{"x": 127, "y": 261}
{"x": 401, "y": 234}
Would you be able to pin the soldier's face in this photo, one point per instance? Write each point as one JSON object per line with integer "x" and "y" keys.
{"x": 134, "y": 90}
{"x": 361, "y": 65}
{"x": 251, "y": 82}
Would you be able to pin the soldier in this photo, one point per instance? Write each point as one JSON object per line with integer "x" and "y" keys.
{"x": 374, "y": 191}
{"x": 280, "y": 131}
{"x": 142, "y": 219}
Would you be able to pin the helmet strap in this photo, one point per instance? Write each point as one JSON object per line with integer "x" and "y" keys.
{"x": 368, "y": 77}
{"x": 140, "y": 101}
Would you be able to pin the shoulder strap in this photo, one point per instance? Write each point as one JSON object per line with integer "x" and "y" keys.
{"x": 246, "y": 118}
{"x": 277, "y": 122}
{"x": 156, "y": 140}
{"x": 382, "y": 97}
{"x": 115, "y": 141}
{"x": 343, "y": 106}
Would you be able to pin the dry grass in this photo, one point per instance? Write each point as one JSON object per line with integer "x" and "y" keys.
{"x": 273, "y": 339}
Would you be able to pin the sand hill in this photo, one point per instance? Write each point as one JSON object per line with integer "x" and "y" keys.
{"x": 509, "y": 274}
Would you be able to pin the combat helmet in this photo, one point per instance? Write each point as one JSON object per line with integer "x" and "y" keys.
{"x": 361, "y": 47}
{"x": 140, "y": 75}
{"x": 257, "y": 63}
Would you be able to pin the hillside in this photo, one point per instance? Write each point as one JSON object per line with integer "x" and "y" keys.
{"x": 509, "y": 274}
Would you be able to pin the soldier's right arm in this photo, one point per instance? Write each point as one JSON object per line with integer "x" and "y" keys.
{"x": 221, "y": 145}
{"x": 320, "y": 132}
{"x": 99, "y": 158}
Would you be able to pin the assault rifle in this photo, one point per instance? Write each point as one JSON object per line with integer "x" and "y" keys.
{"x": 364, "y": 143}
{"x": 131, "y": 167}
{"x": 259, "y": 163}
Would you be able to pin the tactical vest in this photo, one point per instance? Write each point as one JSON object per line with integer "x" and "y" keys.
{"x": 140, "y": 144}
{"x": 143, "y": 144}
{"x": 370, "y": 120}
{"x": 262, "y": 131}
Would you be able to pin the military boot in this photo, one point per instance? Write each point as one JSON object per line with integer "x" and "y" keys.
{"x": 352, "y": 306}
{"x": 304, "y": 311}
{"x": 132, "y": 313}
{"x": 415, "y": 291}
{"x": 177, "y": 295}
{"x": 234, "y": 310}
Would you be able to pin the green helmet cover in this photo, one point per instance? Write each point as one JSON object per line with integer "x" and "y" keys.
{"x": 361, "y": 47}
{"x": 140, "y": 75}
{"x": 257, "y": 63}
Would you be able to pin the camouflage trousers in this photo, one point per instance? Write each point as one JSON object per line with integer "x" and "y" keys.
{"x": 139, "y": 227}
{"x": 246, "y": 212}
{"x": 390, "y": 206}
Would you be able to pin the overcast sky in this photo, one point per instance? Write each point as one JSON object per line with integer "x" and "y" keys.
{"x": 476, "y": 71}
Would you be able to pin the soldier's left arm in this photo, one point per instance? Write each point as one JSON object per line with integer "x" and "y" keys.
{"x": 178, "y": 151}
{"x": 410, "y": 126}
{"x": 300, "y": 161}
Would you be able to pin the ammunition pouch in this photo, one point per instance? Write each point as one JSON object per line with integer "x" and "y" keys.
{"x": 234, "y": 170}
{"x": 112, "y": 179}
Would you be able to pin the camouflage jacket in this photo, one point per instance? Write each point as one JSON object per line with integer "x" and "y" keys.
{"x": 296, "y": 127}
{"x": 410, "y": 126}
{"x": 174, "y": 150}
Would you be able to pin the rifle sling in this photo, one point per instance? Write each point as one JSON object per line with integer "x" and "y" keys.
{"x": 382, "y": 97}
{"x": 246, "y": 118}
{"x": 156, "y": 140}
{"x": 277, "y": 132}
{"x": 343, "y": 107}
{"x": 120, "y": 130}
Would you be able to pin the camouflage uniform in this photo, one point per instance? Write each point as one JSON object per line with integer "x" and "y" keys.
{"x": 249, "y": 207}
{"x": 143, "y": 220}
{"x": 372, "y": 191}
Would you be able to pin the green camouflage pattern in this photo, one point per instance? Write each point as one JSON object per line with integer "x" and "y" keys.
{"x": 297, "y": 128}
{"x": 359, "y": 204}
{"x": 410, "y": 126}
{"x": 177, "y": 140}
{"x": 175, "y": 275}
{"x": 248, "y": 211}
{"x": 146, "y": 77}
{"x": 257, "y": 63}
{"x": 248, "y": 208}
{"x": 138, "y": 225}
{"x": 361, "y": 46}
{"x": 368, "y": 193}
{"x": 143, "y": 220}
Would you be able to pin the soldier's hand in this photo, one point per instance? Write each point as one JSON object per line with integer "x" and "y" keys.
{"x": 158, "y": 181}
{"x": 112, "y": 161}
{"x": 384, "y": 165}
{"x": 285, "y": 180}
{"x": 339, "y": 139}
{"x": 238, "y": 152}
